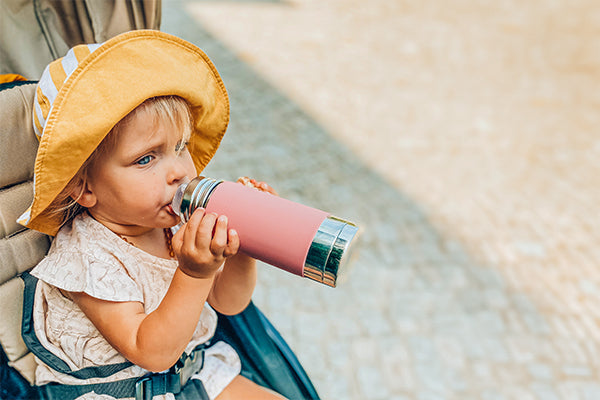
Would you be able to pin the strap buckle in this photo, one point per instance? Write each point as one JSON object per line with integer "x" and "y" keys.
{"x": 143, "y": 388}
{"x": 188, "y": 365}
{"x": 173, "y": 380}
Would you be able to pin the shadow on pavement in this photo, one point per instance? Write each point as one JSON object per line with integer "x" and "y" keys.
{"x": 416, "y": 311}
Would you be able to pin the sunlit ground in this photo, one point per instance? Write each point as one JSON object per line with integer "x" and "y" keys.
{"x": 463, "y": 135}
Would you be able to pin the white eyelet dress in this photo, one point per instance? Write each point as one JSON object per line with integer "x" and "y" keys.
{"x": 87, "y": 257}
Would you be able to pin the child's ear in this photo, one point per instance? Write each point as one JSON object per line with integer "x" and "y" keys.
{"x": 82, "y": 194}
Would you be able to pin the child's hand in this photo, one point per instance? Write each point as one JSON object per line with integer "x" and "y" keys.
{"x": 203, "y": 244}
{"x": 262, "y": 186}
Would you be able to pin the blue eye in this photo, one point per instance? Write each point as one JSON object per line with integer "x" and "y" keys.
{"x": 144, "y": 160}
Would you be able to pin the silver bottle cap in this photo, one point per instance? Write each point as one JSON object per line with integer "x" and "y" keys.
{"x": 193, "y": 195}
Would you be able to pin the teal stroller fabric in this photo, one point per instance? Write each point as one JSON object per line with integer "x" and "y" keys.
{"x": 266, "y": 357}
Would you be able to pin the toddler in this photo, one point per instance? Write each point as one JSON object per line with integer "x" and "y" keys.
{"x": 122, "y": 294}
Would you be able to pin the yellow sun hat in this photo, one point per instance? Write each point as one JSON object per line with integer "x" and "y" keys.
{"x": 81, "y": 96}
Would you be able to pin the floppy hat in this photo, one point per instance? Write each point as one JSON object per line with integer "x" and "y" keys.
{"x": 81, "y": 96}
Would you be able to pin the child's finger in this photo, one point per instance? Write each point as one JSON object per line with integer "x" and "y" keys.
{"x": 219, "y": 239}
{"x": 233, "y": 243}
{"x": 191, "y": 229}
{"x": 253, "y": 183}
{"x": 265, "y": 187}
{"x": 205, "y": 230}
{"x": 244, "y": 180}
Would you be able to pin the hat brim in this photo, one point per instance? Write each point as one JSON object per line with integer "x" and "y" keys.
{"x": 107, "y": 85}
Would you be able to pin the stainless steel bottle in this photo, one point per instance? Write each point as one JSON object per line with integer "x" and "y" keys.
{"x": 302, "y": 240}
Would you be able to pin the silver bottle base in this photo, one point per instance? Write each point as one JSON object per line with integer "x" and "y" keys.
{"x": 329, "y": 250}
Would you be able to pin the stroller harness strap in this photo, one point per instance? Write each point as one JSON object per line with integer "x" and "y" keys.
{"x": 140, "y": 388}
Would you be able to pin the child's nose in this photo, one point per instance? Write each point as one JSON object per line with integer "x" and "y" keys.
{"x": 177, "y": 171}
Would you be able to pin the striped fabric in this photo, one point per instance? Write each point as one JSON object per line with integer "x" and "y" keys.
{"x": 52, "y": 79}
{"x": 54, "y": 76}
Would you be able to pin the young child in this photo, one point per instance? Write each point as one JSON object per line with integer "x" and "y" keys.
{"x": 121, "y": 125}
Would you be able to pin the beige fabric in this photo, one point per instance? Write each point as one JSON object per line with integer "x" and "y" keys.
{"x": 11, "y": 298}
{"x": 18, "y": 143}
{"x": 13, "y": 199}
{"x": 35, "y": 32}
{"x": 19, "y": 30}
{"x": 20, "y": 249}
{"x": 88, "y": 257}
{"x": 95, "y": 21}
{"x": 26, "y": 366}
{"x": 21, "y": 252}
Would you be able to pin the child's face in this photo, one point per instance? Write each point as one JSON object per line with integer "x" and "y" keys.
{"x": 134, "y": 184}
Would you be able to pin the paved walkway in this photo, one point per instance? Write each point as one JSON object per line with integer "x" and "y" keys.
{"x": 463, "y": 137}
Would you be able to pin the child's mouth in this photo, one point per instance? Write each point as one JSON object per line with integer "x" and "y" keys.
{"x": 170, "y": 210}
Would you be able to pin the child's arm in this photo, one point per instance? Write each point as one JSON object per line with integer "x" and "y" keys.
{"x": 233, "y": 285}
{"x": 235, "y": 282}
{"x": 155, "y": 341}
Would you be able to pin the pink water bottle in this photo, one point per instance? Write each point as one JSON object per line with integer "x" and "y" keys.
{"x": 302, "y": 240}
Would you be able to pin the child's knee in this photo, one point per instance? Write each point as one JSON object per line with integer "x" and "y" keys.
{"x": 243, "y": 388}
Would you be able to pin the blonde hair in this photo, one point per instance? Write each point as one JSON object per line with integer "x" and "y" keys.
{"x": 171, "y": 109}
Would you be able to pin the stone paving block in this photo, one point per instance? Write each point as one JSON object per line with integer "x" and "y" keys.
{"x": 593, "y": 352}
{"x": 489, "y": 321}
{"x": 344, "y": 326}
{"x": 430, "y": 375}
{"x": 536, "y": 323}
{"x": 496, "y": 298}
{"x": 399, "y": 376}
{"x": 495, "y": 350}
{"x": 577, "y": 371}
{"x": 376, "y": 324}
{"x": 570, "y": 390}
{"x": 590, "y": 390}
{"x": 541, "y": 371}
{"x": 544, "y": 391}
{"x": 450, "y": 352}
{"x": 371, "y": 383}
{"x": 518, "y": 393}
{"x": 570, "y": 351}
{"x": 338, "y": 386}
{"x": 365, "y": 350}
{"x": 482, "y": 374}
{"x": 492, "y": 395}
{"x": 340, "y": 356}
{"x": 312, "y": 359}
{"x": 406, "y": 325}
{"x": 522, "y": 348}
{"x": 514, "y": 322}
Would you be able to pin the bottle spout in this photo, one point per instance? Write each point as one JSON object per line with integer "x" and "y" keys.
{"x": 178, "y": 199}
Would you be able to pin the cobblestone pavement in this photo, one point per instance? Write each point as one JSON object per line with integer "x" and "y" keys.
{"x": 463, "y": 136}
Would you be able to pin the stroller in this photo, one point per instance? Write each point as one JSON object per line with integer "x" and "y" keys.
{"x": 266, "y": 357}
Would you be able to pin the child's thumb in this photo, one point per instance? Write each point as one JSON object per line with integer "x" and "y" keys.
{"x": 177, "y": 240}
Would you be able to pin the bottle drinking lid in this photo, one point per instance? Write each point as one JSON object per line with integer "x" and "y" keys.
{"x": 192, "y": 195}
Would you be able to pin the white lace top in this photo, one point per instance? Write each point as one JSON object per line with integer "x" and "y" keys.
{"x": 88, "y": 257}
